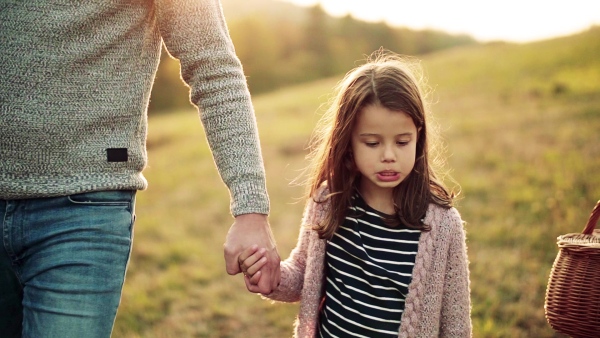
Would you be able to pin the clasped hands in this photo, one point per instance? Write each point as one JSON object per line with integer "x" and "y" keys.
{"x": 250, "y": 248}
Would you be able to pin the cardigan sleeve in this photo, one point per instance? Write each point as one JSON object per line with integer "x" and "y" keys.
{"x": 195, "y": 32}
{"x": 292, "y": 272}
{"x": 293, "y": 269}
{"x": 456, "y": 303}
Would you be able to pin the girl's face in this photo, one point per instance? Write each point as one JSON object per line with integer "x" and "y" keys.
{"x": 384, "y": 145}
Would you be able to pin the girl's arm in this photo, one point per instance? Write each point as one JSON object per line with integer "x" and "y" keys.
{"x": 456, "y": 302}
{"x": 292, "y": 272}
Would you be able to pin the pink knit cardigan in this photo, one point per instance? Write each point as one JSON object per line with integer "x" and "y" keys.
{"x": 438, "y": 302}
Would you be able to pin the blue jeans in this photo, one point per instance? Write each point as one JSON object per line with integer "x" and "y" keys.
{"x": 63, "y": 262}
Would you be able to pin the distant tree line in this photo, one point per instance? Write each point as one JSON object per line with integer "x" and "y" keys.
{"x": 276, "y": 52}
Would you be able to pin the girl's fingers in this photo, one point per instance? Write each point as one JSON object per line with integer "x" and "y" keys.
{"x": 255, "y": 278}
{"x": 252, "y": 282}
{"x": 255, "y": 268}
{"x": 246, "y": 253}
{"x": 247, "y": 265}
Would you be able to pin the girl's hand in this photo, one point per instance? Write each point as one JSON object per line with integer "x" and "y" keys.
{"x": 251, "y": 261}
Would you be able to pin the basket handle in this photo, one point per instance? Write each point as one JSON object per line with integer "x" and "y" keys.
{"x": 591, "y": 224}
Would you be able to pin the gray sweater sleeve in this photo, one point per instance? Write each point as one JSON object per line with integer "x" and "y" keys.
{"x": 195, "y": 32}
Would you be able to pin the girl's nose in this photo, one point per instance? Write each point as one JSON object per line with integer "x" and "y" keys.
{"x": 388, "y": 155}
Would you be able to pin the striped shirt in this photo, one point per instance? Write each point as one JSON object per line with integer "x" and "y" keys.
{"x": 369, "y": 267}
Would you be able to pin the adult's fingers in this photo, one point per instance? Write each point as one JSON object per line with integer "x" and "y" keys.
{"x": 252, "y": 283}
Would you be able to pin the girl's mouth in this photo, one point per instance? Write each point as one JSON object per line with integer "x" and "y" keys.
{"x": 388, "y": 176}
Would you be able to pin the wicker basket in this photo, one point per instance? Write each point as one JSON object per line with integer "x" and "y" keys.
{"x": 573, "y": 294}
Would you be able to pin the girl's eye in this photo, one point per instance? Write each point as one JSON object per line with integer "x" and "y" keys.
{"x": 402, "y": 143}
{"x": 371, "y": 144}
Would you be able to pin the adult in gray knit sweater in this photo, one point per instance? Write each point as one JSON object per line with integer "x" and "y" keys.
{"x": 74, "y": 91}
{"x": 381, "y": 251}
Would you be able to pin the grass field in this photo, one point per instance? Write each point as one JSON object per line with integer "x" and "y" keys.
{"x": 521, "y": 124}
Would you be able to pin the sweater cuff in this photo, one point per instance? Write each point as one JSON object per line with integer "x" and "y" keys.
{"x": 249, "y": 198}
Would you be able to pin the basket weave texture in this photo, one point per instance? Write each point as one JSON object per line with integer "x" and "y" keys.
{"x": 572, "y": 304}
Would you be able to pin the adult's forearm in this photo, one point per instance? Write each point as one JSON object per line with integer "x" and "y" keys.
{"x": 195, "y": 32}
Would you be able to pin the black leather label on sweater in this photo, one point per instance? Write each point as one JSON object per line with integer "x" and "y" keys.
{"x": 116, "y": 154}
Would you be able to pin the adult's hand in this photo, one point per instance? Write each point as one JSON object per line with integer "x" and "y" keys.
{"x": 248, "y": 230}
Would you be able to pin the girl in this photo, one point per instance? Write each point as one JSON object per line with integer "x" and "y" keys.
{"x": 381, "y": 251}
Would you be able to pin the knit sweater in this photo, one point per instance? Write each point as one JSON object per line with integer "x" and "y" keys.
{"x": 75, "y": 85}
{"x": 438, "y": 302}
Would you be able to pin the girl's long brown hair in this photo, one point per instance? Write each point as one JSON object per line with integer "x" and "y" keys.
{"x": 393, "y": 82}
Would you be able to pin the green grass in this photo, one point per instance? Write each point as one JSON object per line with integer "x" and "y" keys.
{"x": 521, "y": 125}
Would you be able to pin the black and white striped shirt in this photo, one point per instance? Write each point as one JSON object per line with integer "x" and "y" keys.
{"x": 369, "y": 267}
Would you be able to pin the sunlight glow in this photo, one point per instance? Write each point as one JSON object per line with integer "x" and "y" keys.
{"x": 509, "y": 20}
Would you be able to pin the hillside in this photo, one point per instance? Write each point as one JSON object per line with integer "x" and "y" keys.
{"x": 280, "y": 44}
{"x": 522, "y": 127}
{"x": 520, "y": 123}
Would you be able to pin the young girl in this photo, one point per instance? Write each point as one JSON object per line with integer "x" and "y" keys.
{"x": 381, "y": 251}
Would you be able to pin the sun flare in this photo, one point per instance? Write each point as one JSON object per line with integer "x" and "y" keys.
{"x": 510, "y": 20}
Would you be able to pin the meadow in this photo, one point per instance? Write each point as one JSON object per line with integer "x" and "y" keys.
{"x": 521, "y": 128}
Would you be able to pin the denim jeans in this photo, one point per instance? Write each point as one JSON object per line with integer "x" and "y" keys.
{"x": 63, "y": 262}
